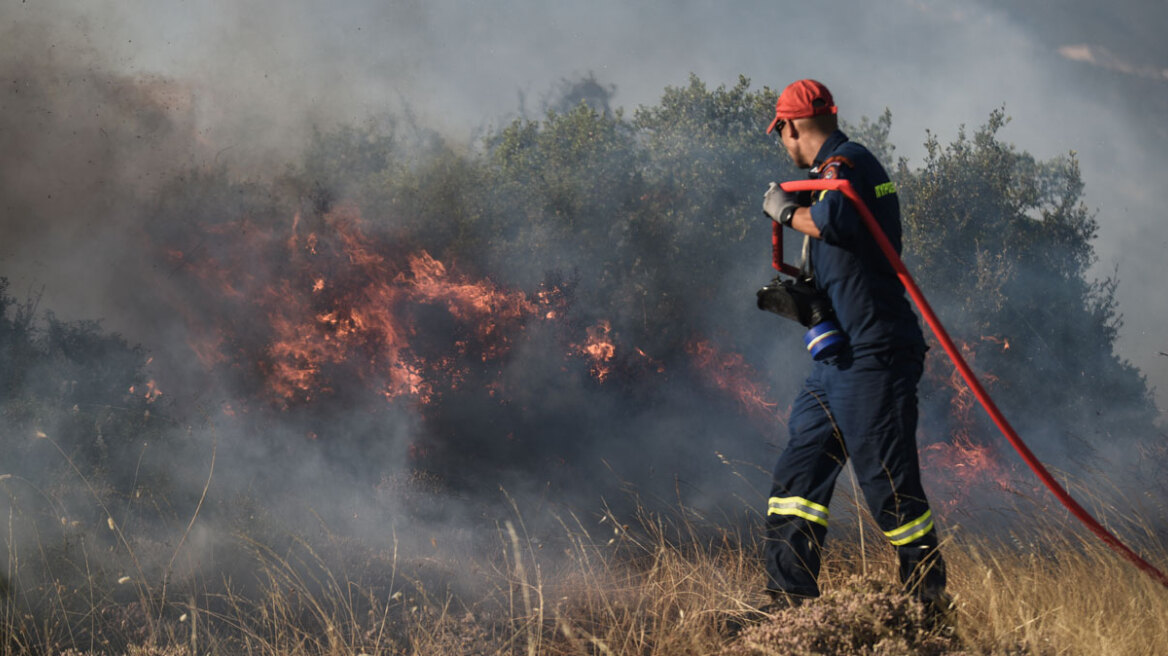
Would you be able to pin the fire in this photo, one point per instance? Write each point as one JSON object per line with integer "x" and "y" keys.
{"x": 649, "y": 361}
{"x": 298, "y": 314}
{"x": 369, "y": 324}
{"x": 964, "y": 463}
{"x": 151, "y": 391}
{"x": 343, "y": 308}
{"x": 729, "y": 372}
{"x": 493, "y": 312}
{"x": 552, "y": 299}
{"x": 599, "y": 349}
{"x": 339, "y": 312}
{"x": 1000, "y": 341}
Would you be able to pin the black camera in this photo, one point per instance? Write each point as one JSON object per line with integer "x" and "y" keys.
{"x": 800, "y": 301}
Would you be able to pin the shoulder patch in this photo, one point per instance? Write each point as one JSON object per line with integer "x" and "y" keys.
{"x": 829, "y": 169}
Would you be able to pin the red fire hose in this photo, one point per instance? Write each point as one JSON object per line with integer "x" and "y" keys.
{"x": 939, "y": 330}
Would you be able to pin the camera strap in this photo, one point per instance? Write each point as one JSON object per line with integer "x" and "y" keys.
{"x": 805, "y": 258}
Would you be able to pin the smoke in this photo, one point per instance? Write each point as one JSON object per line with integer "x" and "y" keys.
{"x": 105, "y": 104}
{"x": 247, "y": 82}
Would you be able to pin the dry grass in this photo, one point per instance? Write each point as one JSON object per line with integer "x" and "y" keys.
{"x": 646, "y": 585}
{"x": 1078, "y": 598}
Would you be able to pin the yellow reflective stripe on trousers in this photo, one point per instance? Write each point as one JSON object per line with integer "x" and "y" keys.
{"x": 799, "y": 507}
{"x": 912, "y": 530}
{"x": 883, "y": 190}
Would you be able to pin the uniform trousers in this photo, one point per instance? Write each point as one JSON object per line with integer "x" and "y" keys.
{"x": 863, "y": 407}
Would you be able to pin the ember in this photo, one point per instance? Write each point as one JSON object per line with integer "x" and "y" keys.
{"x": 1000, "y": 341}
{"x": 150, "y": 393}
{"x": 599, "y": 349}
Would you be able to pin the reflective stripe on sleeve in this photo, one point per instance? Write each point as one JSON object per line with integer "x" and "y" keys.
{"x": 912, "y": 530}
{"x": 799, "y": 507}
{"x": 883, "y": 190}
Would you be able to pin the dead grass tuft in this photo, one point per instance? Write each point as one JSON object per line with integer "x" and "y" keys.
{"x": 864, "y": 616}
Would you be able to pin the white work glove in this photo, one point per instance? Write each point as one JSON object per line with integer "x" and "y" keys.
{"x": 779, "y": 205}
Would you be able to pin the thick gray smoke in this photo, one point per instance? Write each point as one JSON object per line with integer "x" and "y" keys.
{"x": 104, "y": 104}
{"x": 243, "y": 82}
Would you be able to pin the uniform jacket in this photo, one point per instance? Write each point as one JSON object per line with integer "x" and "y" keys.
{"x": 868, "y": 298}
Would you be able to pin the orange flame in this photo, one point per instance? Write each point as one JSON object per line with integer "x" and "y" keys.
{"x": 345, "y": 301}
{"x": 151, "y": 393}
{"x": 1000, "y": 341}
{"x": 964, "y": 462}
{"x": 599, "y": 349}
{"x": 962, "y": 465}
{"x": 652, "y": 363}
{"x": 729, "y": 372}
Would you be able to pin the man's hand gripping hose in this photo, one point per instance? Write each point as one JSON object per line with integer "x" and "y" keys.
{"x": 844, "y": 187}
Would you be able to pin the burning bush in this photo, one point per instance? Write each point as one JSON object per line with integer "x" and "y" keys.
{"x": 582, "y": 270}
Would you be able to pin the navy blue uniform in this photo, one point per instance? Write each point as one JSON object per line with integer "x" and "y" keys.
{"x": 861, "y": 403}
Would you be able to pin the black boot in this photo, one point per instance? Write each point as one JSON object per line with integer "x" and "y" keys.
{"x": 781, "y": 601}
{"x": 777, "y": 602}
{"x": 922, "y": 571}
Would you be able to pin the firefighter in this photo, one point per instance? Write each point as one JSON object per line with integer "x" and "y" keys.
{"x": 860, "y": 402}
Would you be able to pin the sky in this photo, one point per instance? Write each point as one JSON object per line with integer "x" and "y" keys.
{"x": 248, "y": 78}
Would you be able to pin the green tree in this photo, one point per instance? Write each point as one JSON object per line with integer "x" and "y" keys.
{"x": 1002, "y": 245}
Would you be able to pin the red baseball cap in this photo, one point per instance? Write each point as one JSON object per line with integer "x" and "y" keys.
{"x": 802, "y": 99}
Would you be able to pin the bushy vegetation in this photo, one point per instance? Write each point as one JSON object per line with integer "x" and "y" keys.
{"x": 650, "y": 222}
{"x": 1001, "y": 242}
{"x": 74, "y": 381}
{"x": 655, "y": 213}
